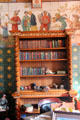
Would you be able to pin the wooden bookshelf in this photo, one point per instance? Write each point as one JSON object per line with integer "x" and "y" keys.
{"x": 32, "y": 69}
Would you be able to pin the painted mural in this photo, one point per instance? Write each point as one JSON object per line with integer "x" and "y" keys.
{"x": 51, "y": 16}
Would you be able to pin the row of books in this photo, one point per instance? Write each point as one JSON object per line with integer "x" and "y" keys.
{"x": 41, "y": 55}
{"x": 41, "y": 44}
{"x": 32, "y": 71}
{"x": 39, "y": 71}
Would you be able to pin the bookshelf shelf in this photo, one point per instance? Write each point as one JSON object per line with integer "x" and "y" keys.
{"x": 35, "y": 94}
{"x": 42, "y": 58}
{"x": 44, "y": 49}
{"x": 49, "y": 75}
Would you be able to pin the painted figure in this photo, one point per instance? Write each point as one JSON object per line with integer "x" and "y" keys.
{"x": 3, "y": 102}
{"x": 61, "y": 19}
{"x": 33, "y": 21}
{"x": 76, "y": 22}
{"x": 36, "y": 3}
{"x": 5, "y": 30}
{"x": 15, "y": 20}
{"x": 44, "y": 19}
{"x": 26, "y": 22}
{"x": 0, "y": 19}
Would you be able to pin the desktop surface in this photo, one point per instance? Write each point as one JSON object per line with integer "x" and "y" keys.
{"x": 59, "y": 115}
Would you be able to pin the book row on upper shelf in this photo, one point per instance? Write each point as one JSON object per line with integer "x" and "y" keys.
{"x": 39, "y": 71}
{"x": 41, "y": 43}
{"x": 42, "y": 55}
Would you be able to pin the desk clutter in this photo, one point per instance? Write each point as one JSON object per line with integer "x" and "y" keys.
{"x": 3, "y": 103}
{"x": 56, "y": 115}
{"x": 49, "y": 106}
{"x": 30, "y": 108}
{"x": 44, "y": 116}
{"x": 4, "y": 108}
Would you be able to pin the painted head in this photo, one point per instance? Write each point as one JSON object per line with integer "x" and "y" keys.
{"x": 6, "y": 24}
{"x": 30, "y": 12}
{"x": 76, "y": 16}
{"x": 57, "y": 15}
{"x": 45, "y": 12}
{"x": 16, "y": 12}
{"x": 25, "y": 12}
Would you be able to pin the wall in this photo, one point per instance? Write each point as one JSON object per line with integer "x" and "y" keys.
{"x": 61, "y": 15}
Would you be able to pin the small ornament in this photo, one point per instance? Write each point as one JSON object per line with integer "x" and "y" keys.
{"x": 26, "y": 88}
{"x": 55, "y": 86}
{"x": 38, "y": 88}
{"x": 21, "y": 88}
{"x": 29, "y": 87}
{"x": 49, "y": 71}
{"x": 33, "y": 85}
{"x": 61, "y": 86}
{"x": 46, "y": 89}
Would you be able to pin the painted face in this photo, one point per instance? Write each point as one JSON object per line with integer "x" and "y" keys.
{"x": 57, "y": 15}
{"x": 45, "y": 13}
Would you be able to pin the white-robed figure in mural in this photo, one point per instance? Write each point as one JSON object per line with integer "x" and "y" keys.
{"x": 5, "y": 30}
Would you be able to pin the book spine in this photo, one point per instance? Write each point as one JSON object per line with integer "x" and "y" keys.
{"x": 50, "y": 43}
{"x": 21, "y": 70}
{"x": 49, "y": 55}
{"x": 30, "y": 55}
{"x": 42, "y": 55}
{"x": 33, "y": 55}
{"x": 43, "y": 71}
{"x": 53, "y": 45}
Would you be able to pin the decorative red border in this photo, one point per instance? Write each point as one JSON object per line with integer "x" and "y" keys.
{"x": 37, "y": 7}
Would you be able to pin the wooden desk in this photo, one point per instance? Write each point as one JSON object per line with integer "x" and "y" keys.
{"x": 3, "y": 115}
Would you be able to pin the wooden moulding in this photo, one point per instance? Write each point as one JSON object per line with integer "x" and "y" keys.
{"x": 35, "y": 94}
{"x": 31, "y": 0}
{"x": 42, "y": 34}
{"x": 50, "y": 93}
{"x": 38, "y": 34}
